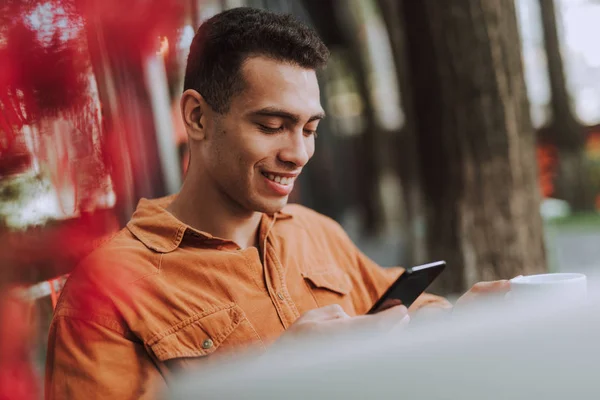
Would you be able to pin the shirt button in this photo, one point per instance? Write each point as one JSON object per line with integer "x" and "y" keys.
{"x": 280, "y": 296}
{"x": 207, "y": 344}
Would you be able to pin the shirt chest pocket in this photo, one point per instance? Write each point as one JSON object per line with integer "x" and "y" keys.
{"x": 330, "y": 285}
{"x": 221, "y": 331}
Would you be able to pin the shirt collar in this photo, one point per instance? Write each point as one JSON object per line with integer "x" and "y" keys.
{"x": 160, "y": 231}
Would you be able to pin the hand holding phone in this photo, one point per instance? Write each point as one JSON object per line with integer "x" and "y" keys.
{"x": 409, "y": 286}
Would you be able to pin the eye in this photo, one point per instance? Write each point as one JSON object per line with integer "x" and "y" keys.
{"x": 268, "y": 129}
{"x": 308, "y": 132}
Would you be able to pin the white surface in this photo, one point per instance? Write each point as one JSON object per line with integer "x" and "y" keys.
{"x": 563, "y": 286}
{"x": 548, "y": 279}
{"x": 541, "y": 350}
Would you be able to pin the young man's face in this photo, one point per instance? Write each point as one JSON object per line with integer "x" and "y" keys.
{"x": 255, "y": 151}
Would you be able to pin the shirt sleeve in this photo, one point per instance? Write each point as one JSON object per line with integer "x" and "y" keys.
{"x": 92, "y": 358}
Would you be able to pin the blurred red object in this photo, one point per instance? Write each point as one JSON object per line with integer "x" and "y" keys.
{"x": 47, "y": 74}
{"x": 15, "y": 157}
{"x": 39, "y": 77}
{"x": 54, "y": 249}
{"x": 18, "y": 380}
{"x": 133, "y": 28}
{"x": 547, "y": 162}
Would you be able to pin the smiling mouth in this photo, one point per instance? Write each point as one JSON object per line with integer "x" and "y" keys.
{"x": 282, "y": 180}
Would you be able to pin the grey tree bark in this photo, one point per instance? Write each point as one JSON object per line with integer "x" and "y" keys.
{"x": 405, "y": 149}
{"x": 476, "y": 141}
{"x": 368, "y": 143}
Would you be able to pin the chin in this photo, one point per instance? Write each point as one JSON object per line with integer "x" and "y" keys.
{"x": 271, "y": 207}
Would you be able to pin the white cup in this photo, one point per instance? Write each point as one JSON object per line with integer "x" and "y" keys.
{"x": 559, "y": 286}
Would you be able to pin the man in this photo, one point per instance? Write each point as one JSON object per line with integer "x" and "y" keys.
{"x": 225, "y": 265}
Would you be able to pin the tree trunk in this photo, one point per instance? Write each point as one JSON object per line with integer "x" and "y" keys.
{"x": 572, "y": 181}
{"x": 368, "y": 165}
{"x": 476, "y": 141}
{"x": 405, "y": 149}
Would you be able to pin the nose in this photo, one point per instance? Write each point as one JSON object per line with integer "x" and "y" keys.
{"x": 297, "y": 149}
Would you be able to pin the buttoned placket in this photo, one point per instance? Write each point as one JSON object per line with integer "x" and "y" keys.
{"x": 271, "y": 269}
{"x": 274, "y": 274}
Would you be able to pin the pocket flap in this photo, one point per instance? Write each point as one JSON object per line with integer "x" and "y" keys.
{"x": 199, "y": 335}
{"x": 335, "y": 280}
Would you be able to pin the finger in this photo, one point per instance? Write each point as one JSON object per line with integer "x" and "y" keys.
{"x": 398, "y": 311}
{"x": 438, "y": 304}
{"x": 391, "y": 317}
{"x": 499, "y": 286}
{"x": 332, "y": 311}
{"x": 388, "y": 304}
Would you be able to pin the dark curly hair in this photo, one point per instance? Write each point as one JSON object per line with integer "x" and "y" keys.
{"x": 223, "y": 42}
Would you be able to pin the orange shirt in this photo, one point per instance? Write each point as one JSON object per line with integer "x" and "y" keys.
{"x": 161, "y": 295}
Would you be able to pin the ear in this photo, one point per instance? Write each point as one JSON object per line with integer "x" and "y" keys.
{"x": 193, "y": 112}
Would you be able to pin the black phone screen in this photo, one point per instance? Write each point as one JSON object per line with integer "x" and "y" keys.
{"x": 409, "y": 286}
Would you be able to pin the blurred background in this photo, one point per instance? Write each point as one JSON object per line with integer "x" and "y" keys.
{"x": 464, "y": 130}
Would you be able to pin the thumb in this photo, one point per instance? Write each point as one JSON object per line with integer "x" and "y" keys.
{"x": 491, "y": 287}
{"x": 391, "y": 317}
{"x": 326, "y": 313}
{"x": 398, "y": 311}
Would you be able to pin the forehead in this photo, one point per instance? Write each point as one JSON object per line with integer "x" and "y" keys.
{"x": 271, "y": 83}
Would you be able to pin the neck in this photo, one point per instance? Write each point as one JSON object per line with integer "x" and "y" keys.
{"x": 201, "y": 205}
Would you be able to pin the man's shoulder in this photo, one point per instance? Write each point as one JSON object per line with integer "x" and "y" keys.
{"x": 107, "y": 274}
{"x": 122, "y": 254}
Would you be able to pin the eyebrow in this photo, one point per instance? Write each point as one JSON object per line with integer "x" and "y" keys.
{"x": 276, "y": 112}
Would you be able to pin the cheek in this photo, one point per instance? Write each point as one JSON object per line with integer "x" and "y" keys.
{"x": 222, "y": 160}
{"x": 310, "y": 147}
{"x": 240, "y": 157}
{"x": 257, "y": 148}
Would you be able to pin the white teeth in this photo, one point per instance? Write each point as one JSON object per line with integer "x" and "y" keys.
{"x": 282, "y": 180}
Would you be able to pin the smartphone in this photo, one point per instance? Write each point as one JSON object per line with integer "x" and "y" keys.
{"x": 409, "y": 286}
